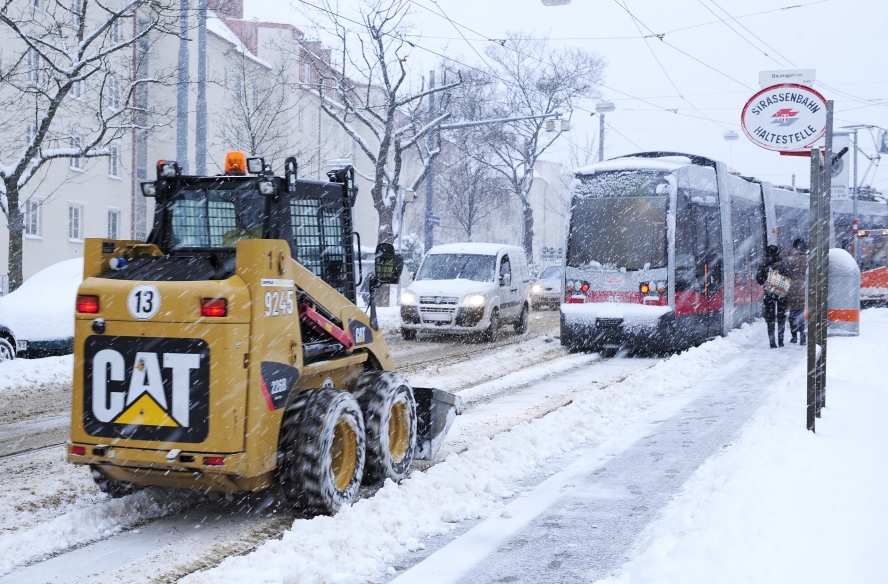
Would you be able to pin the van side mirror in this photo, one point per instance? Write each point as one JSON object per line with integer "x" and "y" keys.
{"x": 506, "y": 280}
{"x": 388, "y": 264}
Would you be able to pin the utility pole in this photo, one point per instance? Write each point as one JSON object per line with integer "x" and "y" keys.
{"x": 855, "y": 243}
{"x": 200, "y": 133}
{"x": 430, "y": 177}
{"x": 602, "y": 108}
{"x": 182, "y": 90}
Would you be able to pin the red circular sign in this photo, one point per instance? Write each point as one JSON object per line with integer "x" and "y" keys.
{"x": 784, "y": 117}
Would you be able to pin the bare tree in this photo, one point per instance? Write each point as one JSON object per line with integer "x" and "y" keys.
{"x": 74, "y": 63}
{"x": 370, "y": 90}
{"x": 471, "y": 191}
{"x": 257, "y": 115}
{"x": 533, "y": 79}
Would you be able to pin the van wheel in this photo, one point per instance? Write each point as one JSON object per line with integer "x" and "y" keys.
{"x": 521, "y": 323}
{"x": 491, "y": 334}
{"x": 111, "y": 487}
{"x": 321, "y": 451}
{"x": 408, "y": 334}
{"x": 390, "y": 422}
{"x": 7, "y": 351}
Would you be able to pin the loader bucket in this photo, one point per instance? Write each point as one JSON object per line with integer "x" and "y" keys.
{"x": 435, "y": 411}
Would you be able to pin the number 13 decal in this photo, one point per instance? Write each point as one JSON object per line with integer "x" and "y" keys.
{"x": 143, "y": 302}
{"x": 278, "y": 303}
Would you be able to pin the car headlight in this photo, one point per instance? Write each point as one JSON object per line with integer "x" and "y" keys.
{"x": 474, "y": 299}
{"x": 536, "y": 289}
{"x": 408, "y": 297}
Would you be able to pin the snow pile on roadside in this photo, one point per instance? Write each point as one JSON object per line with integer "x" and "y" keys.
{"x": 783, "y": 504}
{"x": 88, "y": 524}
{"x": 361, "y": 541}
{"x": 31, "y": 374}
{"x": 43, "y": 307}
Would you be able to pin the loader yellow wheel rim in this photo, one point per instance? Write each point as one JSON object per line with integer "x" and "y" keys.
{"x": 343, "y": 454}
{"x": 399, "y": 431}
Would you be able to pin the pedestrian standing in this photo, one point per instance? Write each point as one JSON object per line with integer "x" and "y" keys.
{"x": 797, "y": 260}
{"x": 775, "y": 277}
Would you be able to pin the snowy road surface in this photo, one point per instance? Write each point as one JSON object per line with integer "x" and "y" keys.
{"x": 565, "y": 467}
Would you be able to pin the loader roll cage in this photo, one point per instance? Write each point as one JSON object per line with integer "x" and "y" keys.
{"x": 199, "y": 220}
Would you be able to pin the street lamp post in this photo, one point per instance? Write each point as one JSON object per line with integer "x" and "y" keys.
{"x": 731, "y": 136}
{"x": 604, "y": 107}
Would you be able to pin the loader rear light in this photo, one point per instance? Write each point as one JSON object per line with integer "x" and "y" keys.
{"x": 88, "y": 304}
{"x": 78, "y": 450}
{"x": 214, "y": 307}
{"x": 235, "y": 163}
{"x": 214, "y": 460}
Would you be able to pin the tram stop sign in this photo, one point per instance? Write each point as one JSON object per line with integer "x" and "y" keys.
{"x": 786, "y": 117}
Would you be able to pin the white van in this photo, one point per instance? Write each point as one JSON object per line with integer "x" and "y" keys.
{"x": 468, "y": 288}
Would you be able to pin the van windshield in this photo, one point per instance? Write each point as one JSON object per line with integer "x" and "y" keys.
{"x": 453, "y": 266}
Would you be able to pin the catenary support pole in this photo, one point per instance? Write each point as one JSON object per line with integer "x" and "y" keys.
{"x": 600, "y": 137}
{"x": 182, "y": 90}
{"x": 855, "y": 243}
{"x": 430, "y": 177}
{"x": 200, "y": 131}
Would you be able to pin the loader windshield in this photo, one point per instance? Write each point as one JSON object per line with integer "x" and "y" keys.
{"x": 216, "y": 217}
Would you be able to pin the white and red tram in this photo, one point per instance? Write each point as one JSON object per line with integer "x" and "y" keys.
{"x": 662, "y": 249}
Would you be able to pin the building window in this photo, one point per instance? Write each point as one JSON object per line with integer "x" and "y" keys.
{"x": 76, "y": 161}
{"x": 113, "y": 224}
{"x": 31, "y": 212}
{"x": 114, "y": 31}
{"x": 35, "y": 68}
{"x": 38, "y": 4}
{"x": 299, "y": 119}
{"x": 32, "y": 133}
{"x": 255, "y": 96}
{"x": 75, "y": 13}
{"x": 77, "y": 90}
{"x": 114, "y": 161}
{"x": 312, "y": 124}
{"x": 75, "y": 222}
{"x": 113, "y": 92}
{"x": 306, "y": 73}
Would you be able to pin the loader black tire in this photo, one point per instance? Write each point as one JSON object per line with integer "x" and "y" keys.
{"x": 390, "y": 422}
{"x": 321, "y": 451}
{"x": 491, "y": 333}
{"x": 111, "y": 487}
{"x": 521, "y": 323}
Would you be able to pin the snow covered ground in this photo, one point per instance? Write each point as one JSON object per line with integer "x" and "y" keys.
{"x": 783, "y": 504}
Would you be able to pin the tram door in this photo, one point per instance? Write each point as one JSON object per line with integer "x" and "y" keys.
{"x": 709, "y": 267}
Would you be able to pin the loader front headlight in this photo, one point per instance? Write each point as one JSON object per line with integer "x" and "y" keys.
{"x": 474, "y": 299}
{"x": 408, "y": 297}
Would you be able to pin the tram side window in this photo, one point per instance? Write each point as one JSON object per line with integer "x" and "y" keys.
{"x": 746, "y": 219}
{"x": 792, "y": 223}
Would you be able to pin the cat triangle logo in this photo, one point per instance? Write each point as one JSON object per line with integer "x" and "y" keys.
{"x": 146, "y": 412}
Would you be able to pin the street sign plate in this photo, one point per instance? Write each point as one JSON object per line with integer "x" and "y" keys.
{"x": 800, "y": 76}
{"x": 784, "y": 117}
{"x": 433, "y": 220}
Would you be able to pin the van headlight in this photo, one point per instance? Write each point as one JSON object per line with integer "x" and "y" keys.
{"x": 536, "y": 289}
{"x": 476, "y": 299}
{"x": 408, "y": 297}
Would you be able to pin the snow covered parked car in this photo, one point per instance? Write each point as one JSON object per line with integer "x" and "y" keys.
{"x": 547, "y": 290}
{"x": 468, "y": 287}
{"x": 38, "y": 318}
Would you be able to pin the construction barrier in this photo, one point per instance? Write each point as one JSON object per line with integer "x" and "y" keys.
{"x": 843, "y": 302}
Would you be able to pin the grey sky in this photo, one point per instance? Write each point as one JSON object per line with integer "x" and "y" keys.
{"x": 708, "y": 85}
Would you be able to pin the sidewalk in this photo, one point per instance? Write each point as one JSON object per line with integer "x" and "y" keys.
{"x": 783, "y": 504}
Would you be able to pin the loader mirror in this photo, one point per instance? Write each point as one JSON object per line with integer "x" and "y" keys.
{"x": 388, "y": 264}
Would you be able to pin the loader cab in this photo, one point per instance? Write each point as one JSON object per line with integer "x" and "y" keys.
{"x": 199, "y": 220}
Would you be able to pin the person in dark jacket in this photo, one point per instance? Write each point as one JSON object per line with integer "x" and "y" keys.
{"x": 775, "y": 306}
{"x": 797, "y": 260}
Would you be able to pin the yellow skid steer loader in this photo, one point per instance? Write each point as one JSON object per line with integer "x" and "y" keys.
{"x": 227, "y": 353}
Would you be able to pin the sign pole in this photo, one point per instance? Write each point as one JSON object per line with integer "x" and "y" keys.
{"x": 827, "y": 236}
{"x": 813, "y": 285}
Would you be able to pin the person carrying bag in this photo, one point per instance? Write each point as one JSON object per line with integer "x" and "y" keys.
{"x": 775, "y": 277}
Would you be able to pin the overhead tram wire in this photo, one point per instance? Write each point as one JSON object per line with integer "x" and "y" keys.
{"x": 732, "y": 29}
{"x": 637, "y": 22}
{"x": 750, "y": 32}
{"x": 643, "y": 100}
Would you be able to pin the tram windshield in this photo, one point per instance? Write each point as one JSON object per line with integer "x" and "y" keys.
{"x": 619, "y": 221}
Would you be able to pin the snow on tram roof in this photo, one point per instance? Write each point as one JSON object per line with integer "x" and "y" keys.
{"x": 667, "y": 163}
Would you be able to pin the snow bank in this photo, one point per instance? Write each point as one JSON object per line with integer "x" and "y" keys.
{"x": 632, "y": 314}
{"x": 783, "y": 504}
{"x": 43, "y": 307}
{"x": 361, "y": 541}
{"x": 32, "y": 374}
